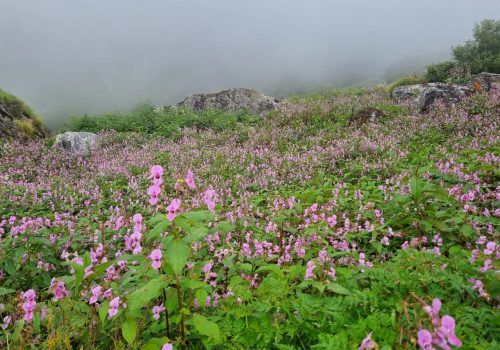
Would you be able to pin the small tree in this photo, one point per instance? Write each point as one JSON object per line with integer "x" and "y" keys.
{"x": 481, "y": 54}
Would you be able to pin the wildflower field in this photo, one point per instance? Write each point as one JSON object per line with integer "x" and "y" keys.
{"x": 305, "y": 229}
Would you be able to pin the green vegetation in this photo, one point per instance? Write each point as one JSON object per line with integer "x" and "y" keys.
{"x": 305, "y": 229}
{"x": 481, "y": 54}
{"x": 26, "y": 122}
{"x": 16, "y": 106}
{"x": 163, "y": 121}
{"x": 407, "y": 80}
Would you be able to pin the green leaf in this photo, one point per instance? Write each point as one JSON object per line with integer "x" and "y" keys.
{"x": 86, "y": 260}
{"x": 102, "y": 267}
{"x": 140, "y": 297}
{"x": 156, "y": 219}
{"x": 129, "y": 329}
{"x": 177, "y": 255}
{"x": 9, "y": 267}
{"x": 441, "y": 226}
{"x": 272, "y": 269}
{"x": 416, "y": 186}
{"x": 79, "y": 272}
{"x": 157, "y": 230}
{"x": 337, "y": 288}
{"x": 103, "y": 311}
{"x": 5, "y": 291}
{"x": 492, "y": 286}
{"x": 206, "y": 327}
{"x": 199, "y": 215}
{"x": 17, "y": 330}
{"x": 151, "y": 346}
{"x": 196, "y": 234}
{"x": 201, "y": 296}
{"x": 155, "y": 343}
{"x": 378, "y": 246}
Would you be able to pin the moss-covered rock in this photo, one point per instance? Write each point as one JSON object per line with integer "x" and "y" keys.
{"x": 17, "y": 120}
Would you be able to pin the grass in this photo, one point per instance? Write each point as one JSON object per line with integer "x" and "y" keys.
{"x": 407, "y": 80}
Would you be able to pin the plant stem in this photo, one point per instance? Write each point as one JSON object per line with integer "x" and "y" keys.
{"x": 166, "y": 313}
{"x": 179, "y": 299}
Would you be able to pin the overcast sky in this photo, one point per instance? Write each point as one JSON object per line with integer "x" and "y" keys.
{"x": 90, "y": 56}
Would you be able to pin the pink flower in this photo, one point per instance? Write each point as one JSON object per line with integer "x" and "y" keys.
{"x": 156, "y": 174}
{"x": 59, "y": 289}
{"x": 157, "y": 309}
{"x": 137, "y": 218}
{"x": 154, "y": 192}
{"x": 207, "y": 267}
{"x": 434, "y": 311}
{"x": 190, "y": 180}
{"x": 310, "y": 269}
{"x": 209, "y": 198}
{"x": 156, "y": 256}
{"x": 96, "y": 292}
{"x": 425, "y": 339}
{"x": 490, "y": 248}
{"x": 367, "y": 343}
{"x": 6, "y": 322}
{"x": 448, "y": 330}
{"x": 29, "y": 304}
{"x": 167, "y": 346}
{"x": 113, "y": 307}
{"x": 172, "y": 209}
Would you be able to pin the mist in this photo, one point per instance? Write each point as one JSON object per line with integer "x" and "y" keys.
{"x": 67, "y": 58}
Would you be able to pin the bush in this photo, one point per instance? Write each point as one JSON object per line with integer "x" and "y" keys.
{"x": 481, "y": 54}
{"x": 439, "y": 72}
{"x": 165, "y": 122}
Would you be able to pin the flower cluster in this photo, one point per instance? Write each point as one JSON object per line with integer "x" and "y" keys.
{"x": 29, "y": 304}
{"x": 155, "y": 257}
{"x": 59, "y": 289}
{"x": 443, "y": 334}
{"x": 156, "y": 176}
{"x": 114, "y": 305}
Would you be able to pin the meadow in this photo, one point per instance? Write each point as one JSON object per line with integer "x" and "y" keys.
{"x": 309, "y": 228}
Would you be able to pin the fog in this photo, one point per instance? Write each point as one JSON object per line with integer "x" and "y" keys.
{"x": 92, "y": 56}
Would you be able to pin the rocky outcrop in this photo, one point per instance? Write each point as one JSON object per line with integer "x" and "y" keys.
{"x": 426, "y": 94}
{"x": 232, "y": 100}
{"x": 485, "y": 82}
{"x": 366, "y": 115}
{"x": 77, "y": 142}
{"x": 17, "y": 120}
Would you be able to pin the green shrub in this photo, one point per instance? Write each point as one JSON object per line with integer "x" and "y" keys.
{"x": 439, "y": 72}
{"x": 481, "y": 54}
{"x": 165, "y": 122}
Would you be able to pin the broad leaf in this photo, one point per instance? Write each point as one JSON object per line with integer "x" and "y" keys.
{"x": 129, "y": 329}
{"x": 140, "y": 297}
{"x": 177, "y": 254}
{"x": 206, "y": 327}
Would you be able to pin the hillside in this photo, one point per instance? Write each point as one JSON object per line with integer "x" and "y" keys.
{"x": 340, "y": 220}
{"x": 17, "y": 120}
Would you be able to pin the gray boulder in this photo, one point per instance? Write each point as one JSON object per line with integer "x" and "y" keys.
{"x": 77, "y": 142}
{"x": 232, "y": 100}
{"x": 426, "y": 94}
{"x": 485, "y": 82}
